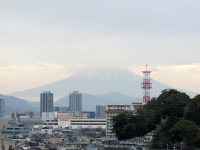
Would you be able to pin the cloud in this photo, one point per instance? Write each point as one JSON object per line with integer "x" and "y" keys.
{"x": 16, "y": 77}
{"x": 74, "y": 35}
{"x": 184, "y": 77}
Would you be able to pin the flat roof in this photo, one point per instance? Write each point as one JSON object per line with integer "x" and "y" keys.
{"x": 118, "y": 105}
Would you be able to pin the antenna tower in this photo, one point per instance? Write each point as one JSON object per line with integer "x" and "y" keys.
{"x": 146, "y": 85}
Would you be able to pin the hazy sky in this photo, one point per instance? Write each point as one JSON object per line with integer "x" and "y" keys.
{"x": 42, "y": 41}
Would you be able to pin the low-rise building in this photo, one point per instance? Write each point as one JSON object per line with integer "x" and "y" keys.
{"x": 91, "y": 114}
{"x": 84, "y": 123}
{"x": 67, "y": 120}
{"x": 48, "y": 116}
{"x": 63, "y": 117}
{"x": 15, "y": 132}
{"x": 87, "y": 123}
{"x": 54, "y": 122}
{"x": 42, "y": 129}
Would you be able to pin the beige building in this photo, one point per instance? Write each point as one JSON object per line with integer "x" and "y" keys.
{"x": 63, "y": 117}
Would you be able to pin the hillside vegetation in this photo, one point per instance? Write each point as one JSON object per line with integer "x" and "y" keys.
{"x": 173, "y": 114}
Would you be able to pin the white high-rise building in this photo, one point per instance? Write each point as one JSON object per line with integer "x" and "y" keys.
{"x": 75, "y": 103}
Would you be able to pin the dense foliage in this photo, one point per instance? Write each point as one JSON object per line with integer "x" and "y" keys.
{"x": 173, "y": 114}
{"x": 127, "y": 125}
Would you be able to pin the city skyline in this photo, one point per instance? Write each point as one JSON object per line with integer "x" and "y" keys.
{"x": 43, "y": 43}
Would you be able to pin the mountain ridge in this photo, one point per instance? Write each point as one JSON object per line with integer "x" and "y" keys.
{"x": 97, "y": 81}
{"x": 89, "y": 102}
{"x": 20, "y": 105}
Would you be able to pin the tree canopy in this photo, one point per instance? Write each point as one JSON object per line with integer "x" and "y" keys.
{"x": 171, "y": 114}
{"x": 187, "y": 131}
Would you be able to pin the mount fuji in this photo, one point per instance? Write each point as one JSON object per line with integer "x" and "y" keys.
{"x": 96, "y": 82}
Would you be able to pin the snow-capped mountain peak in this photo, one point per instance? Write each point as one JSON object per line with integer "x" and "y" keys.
{"x": 108, "y": 74}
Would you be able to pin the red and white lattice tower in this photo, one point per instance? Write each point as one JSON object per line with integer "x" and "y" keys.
{"x": 146, "y": 85}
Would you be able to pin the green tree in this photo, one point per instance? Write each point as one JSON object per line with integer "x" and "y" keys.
{"x": 166, "y": 114}
{"x": 162, "y": 139}
{"x": 172, "y": 103}
{"x": 127, "y": 126}
{"x": 193, "y": 110}
{"x": 186, "y": 131}
{"x": 121, "y": 123}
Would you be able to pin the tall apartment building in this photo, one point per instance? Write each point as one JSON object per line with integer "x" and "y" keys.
{"x": 75, "y": 103}
{"x": 2, "y": 108}
{"x": 114, "y": 110}
{"x": 100, "y": 111}
{"x": 46, "y": 102}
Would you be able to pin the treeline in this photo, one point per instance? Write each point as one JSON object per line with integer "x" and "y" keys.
{"x": 174, "y": 116}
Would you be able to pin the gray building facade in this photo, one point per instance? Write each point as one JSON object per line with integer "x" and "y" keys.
{"x": 100, "y": 111}
{"x": 75, "y": 103}
{"x": 2, "y": 108}
{"x": 46, "y": 102}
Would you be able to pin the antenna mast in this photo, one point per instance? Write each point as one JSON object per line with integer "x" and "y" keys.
{"x": 146, "y": 85}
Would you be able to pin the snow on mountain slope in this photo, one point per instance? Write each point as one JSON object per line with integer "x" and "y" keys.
{"x": 108, "y": 74}
{"x": 95, "y": 81}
